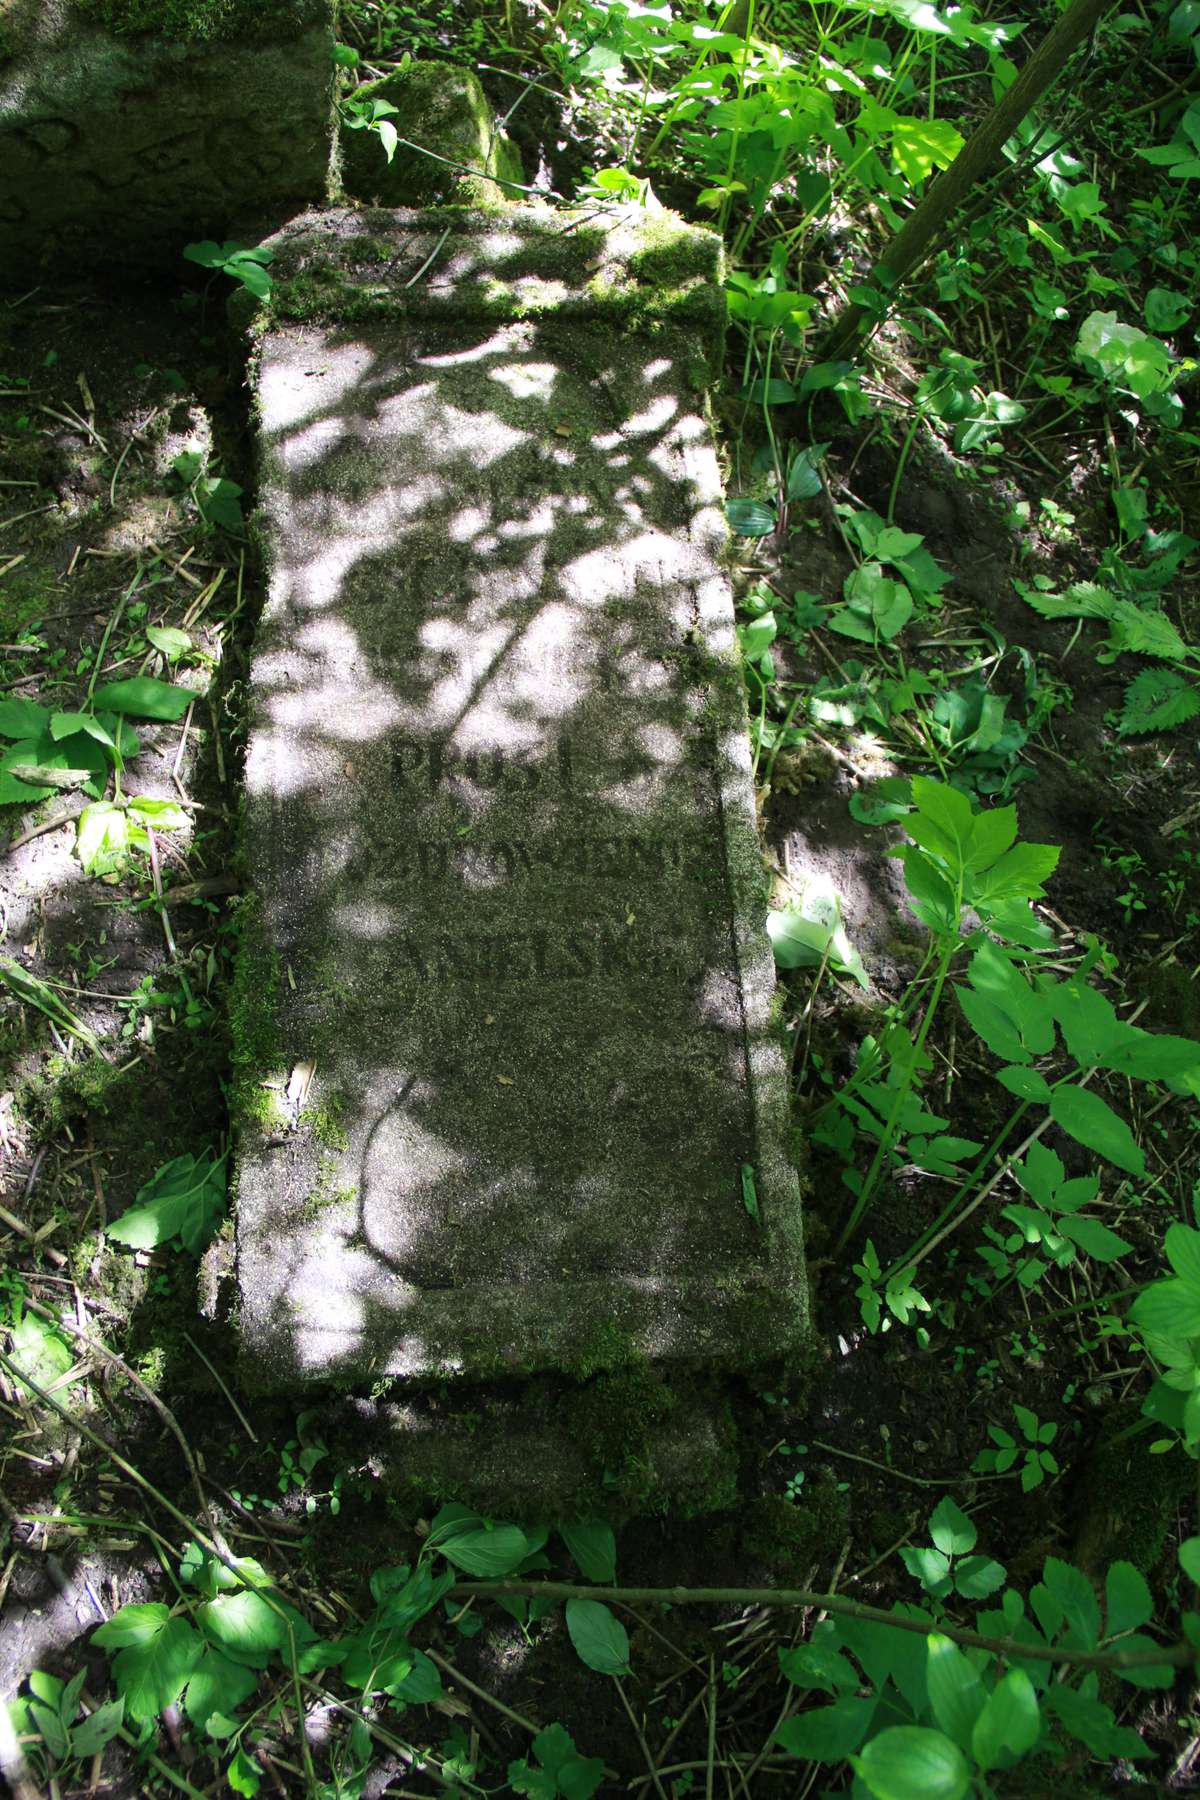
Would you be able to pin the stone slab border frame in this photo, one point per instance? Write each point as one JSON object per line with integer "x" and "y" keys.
{"x": 644, "y": 281}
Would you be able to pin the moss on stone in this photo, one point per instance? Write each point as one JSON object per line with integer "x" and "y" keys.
{"x": 442, "y": 108}
{"x": 1130, "y": 1498}
{"x": 787, "y": 1537}
{"x": 205, "y": 20}
{"x": 256, "y": 1052}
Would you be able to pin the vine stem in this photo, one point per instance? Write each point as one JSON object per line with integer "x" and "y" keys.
{"x": 1178, "y": 1655}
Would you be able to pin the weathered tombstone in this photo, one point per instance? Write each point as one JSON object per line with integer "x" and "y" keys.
{"x": 128, "y": 127}
{"x": 510, "y": 1098}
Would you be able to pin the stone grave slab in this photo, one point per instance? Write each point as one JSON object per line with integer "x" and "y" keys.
{"x": 510, "y": 1097}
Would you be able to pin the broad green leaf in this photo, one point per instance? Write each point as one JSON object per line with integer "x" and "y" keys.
{"x": 750, "y": 518}
{"x": 154, "y": 1672}
{"x": 975, "y": 1577}
{"x": 163, "y": 815}
{"x": 39, "y": 1351}
{"x": 882, "y": 801}
{"x": 145, "y": 698}
{"x": 1009, "y": 1725}
{"x": 1094, "y": 1238}
{"x": 23, "y": 719}
{"x": 243, "y": 1624}
{"x": 1149, "y": 1056}
{"x": 1158, "y": 700}
{"x": 1026, "y": 1084}
{"x": 956, "y": 1693}
{"x": 67, "y": 724}
{"x": 1147, "y": 1675}
{"x": 172, "y": 642}
{"x": 993, "y": 1026}
{"x": 138, "y": 1623}
{"x": 1020, "y": 874}
{"x": 184, "y": 1199}
{"x": 992, "y": 833}
{"x": 951, "y": 1529}
{"x": 1127, "y": 1600}
{"x": 217, "y": 1686}
{"x": 1089, "y": 1721}
{"x": 594, "y": 1548}
{"x": 1092, "y": 1123}
{"x": 14, "y": 790}
{"x": 1182, "y": 1245}
{"x": 244, "y": 1775}
{"x": 909, "y": 1762}
{"x": 420, "y": 1684}
{"x": 1169, "y": 1309}
{"x": 818, "y": 1666}
{"x": 599, "y": 1637}
{"x": 1189, "y": 1559}
{"x": 102, "y": 838}
{"x": 489, "y": 1554}
{"x": 921, "y": 145}
{"x": 827, "y": 1734}
{"x": 933, "y": 897}
{"x": 1073, "y": 1593}
{"x": 946, "y": 815}
{"x": 90, "y": 1736}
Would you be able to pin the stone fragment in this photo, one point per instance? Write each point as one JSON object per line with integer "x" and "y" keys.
{"x": 130, "y": 127}
{"x": 510, "y": 1101}
{"x": 450, "y": 147}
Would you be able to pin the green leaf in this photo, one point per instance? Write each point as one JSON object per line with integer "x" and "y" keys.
{"x": 1169, "y": 1309}
{"x": 23, "y": 719}
{"x": 594, "y": 1548}
{"x": 1009, "y": 1725}
{"x": 1127, "y": 1600}
{"x": 909, "y": 1762}
{"x": 145, "y": 698}
{"x": 1094, "y": 1238}
{"x": 955, "y": 1691}
{"x": 40, "y": 1351}
{"x": 1092, "y": 1123}
{"x": 172, "y": 642}
{"x": 90, "y": 1736}
{"x": 951, "y": 1529}
{"x": 921, "y": 145}
{"x": 599, "y": 1637}
{"x": 1189, "y": 1559}
{"x": 975, "y": 1577}
{"x": 208, "y": 254}
{"x": 827, "y": 1733}
{"x": 817, "y": 1666}
{"x": 67, "y": 724}
{"x": 1020, "y": 874}
{"x": 1150, "y": 1056}
{"x": 1182, "y": 1246}
{"x": 217, "y": 1686}
{"x": 490, "y": 1553}
{"x": 102, "y": 838}
{"x": 184, "y": 1200}
{"x": 883, "y": 801}
{"x": 1158, "y": 700}
{"x": 243, "y": 1624}
{"x": 138, "y": 1623}
{"x": 750, "y": 518}
{"x": 933, "y": 898}
{"x": 1026, "y": 1084}
{"x": 153, "y": 1671}
{"x": 1072, "y": 1591}
{"x": 244, "y": 1775}
{"x": 163, "y": 815}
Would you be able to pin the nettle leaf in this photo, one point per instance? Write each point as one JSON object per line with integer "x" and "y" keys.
{"x": 1158, "y": 700}
{"x": 599, "y": 1637}
{"x": 594, "y": 1548}
{"x": 145, "y": 698}
{"x": 910, "y": 1762}
{"x": 184, "y": 1199}
{"x": 158, "y": 1657}
{"x": 1092, "y": 1123}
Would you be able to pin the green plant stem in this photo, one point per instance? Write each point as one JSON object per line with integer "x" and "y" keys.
{"x": 905, "y": 1088}
{"x": 1177, "y": 1655}
{"x": 901, "y": 460}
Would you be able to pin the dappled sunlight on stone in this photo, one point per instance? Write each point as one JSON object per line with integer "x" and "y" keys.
{"x": 506, "y": 852}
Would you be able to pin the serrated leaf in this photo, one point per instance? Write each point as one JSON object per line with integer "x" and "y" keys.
{"x": 1093, "y": 1123}
{"x": 1093, "y": 1238}
{"x": 23, "y": 719}
{"x": 599, "y": 1637}
{"x": 1072, "y": 1592}
{"x": 1158, "y": 700}
{"x": 1169, "y": 1309}
{"x": 154, "y": 1672}
{"x": 951, "y": 1529}
{"x": 217, "y": 1686}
